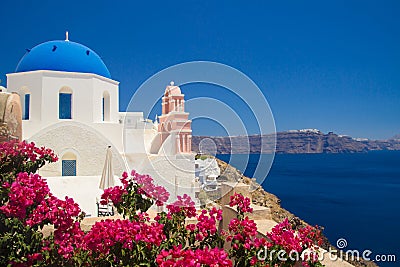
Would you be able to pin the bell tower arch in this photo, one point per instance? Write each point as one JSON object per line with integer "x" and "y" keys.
{"x": 174, "y": 121}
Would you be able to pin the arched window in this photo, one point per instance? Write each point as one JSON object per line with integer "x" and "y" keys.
{"x": 106, "y": 106}
{"x": 26, "y": 106}
{"x": 68, "y": 164}
{"x": 65, "y": 103}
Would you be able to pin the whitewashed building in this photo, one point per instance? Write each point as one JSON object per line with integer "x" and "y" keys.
{"x": 207, "y": 171}
{"x": 70, "y": 103}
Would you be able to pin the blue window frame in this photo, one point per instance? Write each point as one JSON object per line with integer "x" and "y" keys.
{"x": 27, "y": 100}
{"x": 68, "y": 167}
{"x": 65, "y": 102}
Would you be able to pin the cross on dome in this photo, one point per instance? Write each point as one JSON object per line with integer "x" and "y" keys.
{"x": 66, "y": 36}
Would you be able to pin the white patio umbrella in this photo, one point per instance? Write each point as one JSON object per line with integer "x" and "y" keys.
{"x": 107, "y": 177}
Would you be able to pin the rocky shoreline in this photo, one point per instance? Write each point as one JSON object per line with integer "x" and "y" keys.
{"x": 291, "y": 142}
{"x": 263, "y": 198}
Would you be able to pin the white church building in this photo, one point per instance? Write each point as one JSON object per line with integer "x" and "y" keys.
{"x": 71, "y": 104}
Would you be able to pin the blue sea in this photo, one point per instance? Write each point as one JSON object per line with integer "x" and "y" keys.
{"x": 353, "y": 196}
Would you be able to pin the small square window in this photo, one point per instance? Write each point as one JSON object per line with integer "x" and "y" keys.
{"x": 68, "y": 167}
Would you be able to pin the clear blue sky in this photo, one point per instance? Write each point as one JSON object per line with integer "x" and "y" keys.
{"x": 331, "y": 65}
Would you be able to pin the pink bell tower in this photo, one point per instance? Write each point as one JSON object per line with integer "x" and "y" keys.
{"x": 174, "y": 120}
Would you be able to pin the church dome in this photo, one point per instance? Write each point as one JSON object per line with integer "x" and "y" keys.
{"x": 172, "y": 89}
{"x": 63, "y": 56}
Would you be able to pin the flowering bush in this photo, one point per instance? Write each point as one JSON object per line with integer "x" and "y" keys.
{"x": 26, "y": 192}
{"x": 168, "y": 240}
{"x": 27, "y": 205}
{"x": 242, "y": 234}
{"x": 242, "y": 203}
{"x": 246, "y": 245}
{"x": 174, "y": 220}
{"x": 123, "y": 242}
{"x": 16, "y": 157}
{"x": 138, "y": 193}
{"x": 284, "y": 238}
{"x": 215, "y": 257}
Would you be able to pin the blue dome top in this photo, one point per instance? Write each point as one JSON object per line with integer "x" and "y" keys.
{"x": 63, "y": 56}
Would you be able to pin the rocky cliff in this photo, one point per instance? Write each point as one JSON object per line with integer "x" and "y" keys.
{"x": 396, "y": 137}
{"x": 291, "y": 142}
{"x": 10, "y": 116}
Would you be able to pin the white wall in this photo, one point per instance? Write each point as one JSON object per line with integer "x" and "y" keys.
{"x": 99, "y": 87}
{"x": 87, "y": 96}
{"x": 168, "y": 147}
{"x": 86, "y": 143}
{"x": 138, "y": 140}
{"x": 83, "y": 189}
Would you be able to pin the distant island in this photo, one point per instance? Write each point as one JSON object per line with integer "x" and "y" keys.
{"x": 293, "y": 142}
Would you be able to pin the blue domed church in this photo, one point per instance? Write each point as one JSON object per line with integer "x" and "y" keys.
{"x": 70, "y": 103}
